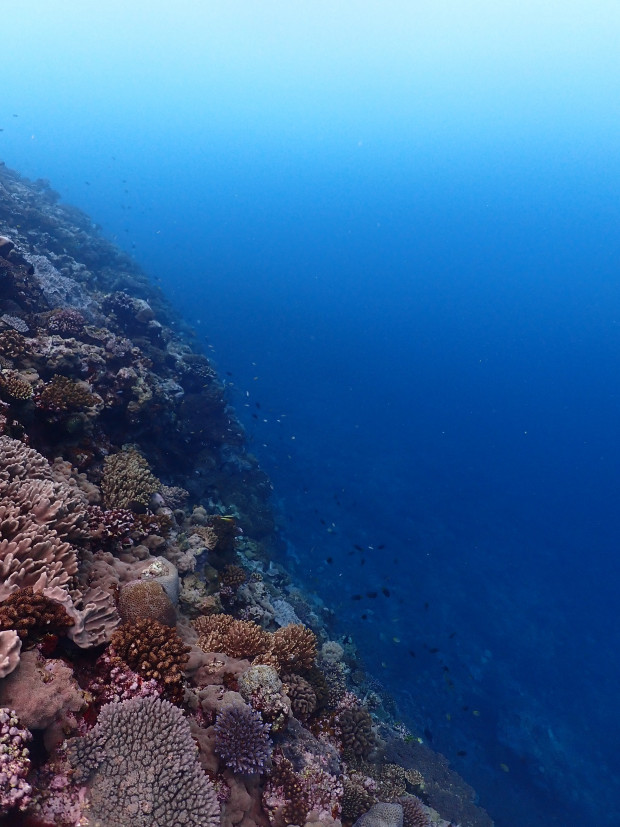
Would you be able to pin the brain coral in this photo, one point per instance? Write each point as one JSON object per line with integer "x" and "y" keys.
{"x": 146, "y": 599}
{"x": 140, "y": 765}
{"x": 127, "y": 480}
{"x": 242, "y": 739}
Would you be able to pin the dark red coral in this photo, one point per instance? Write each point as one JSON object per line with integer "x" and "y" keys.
{"x": 33, "y": 615}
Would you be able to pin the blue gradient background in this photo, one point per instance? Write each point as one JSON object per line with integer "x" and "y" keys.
{"x": 397, "y": 224}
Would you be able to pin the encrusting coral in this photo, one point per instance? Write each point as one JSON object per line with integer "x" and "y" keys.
{"x": 139, "y": 765}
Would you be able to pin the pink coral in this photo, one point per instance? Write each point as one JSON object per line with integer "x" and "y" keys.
{"x": 15, "y": 792}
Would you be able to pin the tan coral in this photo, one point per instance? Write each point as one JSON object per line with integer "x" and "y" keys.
{"x": 236, "y": 638}
{"x": 127, "y": 480}
{"x": 10, "y": 647}
{"x": 294, "y": 647}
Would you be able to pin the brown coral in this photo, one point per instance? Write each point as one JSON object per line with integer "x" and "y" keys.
{"x": 285, "y": 784}
{"x": 13, "y": 387}
{"x": 356, "y": 800}
{"x": 301, "y": 693}
{"x": 235, "y": 638}
{"x": 127, "y": 481}
{"x": 146, "y": 599}
{"x": 233, "y": 576}
{"x": 66, "y": 322}
{"x": 356, "y": 733}
{"x": 414, "y": 814}
{"x": 12, "y": 344}
{"x": 33, "y": 615}
{"x": 154, "y": 651}
{"x": 62, "y": 394}
{"x": 294, "y": 646}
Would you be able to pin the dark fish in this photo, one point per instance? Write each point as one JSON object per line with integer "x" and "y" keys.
{"x": 381, "y": 546}
{"x": 257, "y": 405}
{"x": 356, "y": 597}
{"x": 426, "y": 607}
{"x": 228, "y": 373}
{"x": 330, "y": 560}
{"x": 461, "y": 752}
{"x": 359, "y": 548}
{"x": 254, "y": 416}
{"x": 364, "y": 617}
{"x": 371, "y": 594}
{"x": 464, "y": 708}
{"x": 350, "y": 553}
{"x": 445, "y": 668}
{"x": 362, "y": 562}
{"x": 428, "y": 735}
{"x": 412, "y": 653}
{"x": 385, "y": 591}
{"x": 452, "y": 635}
{"x": 322, "y": 522}
{"x": 434, "y": 650}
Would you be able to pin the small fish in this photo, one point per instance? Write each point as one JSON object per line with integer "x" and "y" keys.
{"x": 428, "y": 735}
{"x": 382, "y": 546}
{"x": 322, "y": 522}
{"x": 452, "y": 635}
{"x": 356, "y": 597}
{"x": 254, "y": 416}
{"x": 362, "y": 562}
{"x": 257, "y": 405}
{"x": 426, "y": 607}
{"x": 364, "y": 617}
{"x": 330, "y": 560}
{"x": 505, "y": 767}
{"x": 476, "y": 713}
{"x": 461, "y": 753}
{"x": 372, "y": 595}
{"x": 433, "y": 651}
{"x": 412, "y": 653}
{"x": 385, "y": 591}
{"x": 359, "y": 548}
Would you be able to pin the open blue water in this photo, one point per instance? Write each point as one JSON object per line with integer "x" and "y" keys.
{"x": 397, "y": 228}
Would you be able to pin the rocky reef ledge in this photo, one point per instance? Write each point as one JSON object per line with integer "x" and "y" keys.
{"x": 158, "y": 666}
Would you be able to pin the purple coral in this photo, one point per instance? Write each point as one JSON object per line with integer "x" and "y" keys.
{"x": 14, "y": 763}
{"x": 140, "y": 766}
{"x": 242, "y": 739}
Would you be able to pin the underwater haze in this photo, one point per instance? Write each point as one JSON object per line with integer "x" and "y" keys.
{"x": 395, "y": 226}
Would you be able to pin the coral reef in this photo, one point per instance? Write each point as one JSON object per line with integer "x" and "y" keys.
{"x": 150, "y": 638}
{"x": 242, "y": 739}
{"x": 139, "y": 765}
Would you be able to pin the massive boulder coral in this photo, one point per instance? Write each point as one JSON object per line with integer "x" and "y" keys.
{"x": 140, "y": 766}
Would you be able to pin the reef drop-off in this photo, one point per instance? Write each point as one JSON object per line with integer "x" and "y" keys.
{"x": 142, "y": 585}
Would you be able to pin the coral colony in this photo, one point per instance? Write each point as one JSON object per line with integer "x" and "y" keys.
{"x": 157, "y": 665}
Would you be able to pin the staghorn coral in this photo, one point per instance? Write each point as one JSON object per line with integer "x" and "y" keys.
{"x": 414, "y": 813}
{"x": 13, "y": 387}
{"x": 62, "y": 395}
{"x": 10, "y": 647}
{"x": 33, "y": 615}
{"x": 236, "y": 638}
{"x": 140, "y": 765}
{"x": 242, "y": 739}
{"x": 15, "y": 792}
{"x": 301, "y": 693}
{"x": 294, "y": 648}
{"x": 146, "y": 599}
{"x": 355, "y": 726}
{"x": 154, "y": 651}
{"x": 127, "y": 480}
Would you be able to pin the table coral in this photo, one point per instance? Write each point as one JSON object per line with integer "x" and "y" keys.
{"x": 140, "y": 765}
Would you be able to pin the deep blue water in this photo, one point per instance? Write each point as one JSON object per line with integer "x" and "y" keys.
{"x": 415, "y": 290}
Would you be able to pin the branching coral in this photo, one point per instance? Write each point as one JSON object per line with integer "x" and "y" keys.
{"x": 294, "y": 647}
{"x": 61, "y": 395}
{"x": 127, "y": 480}
{"x": 154, "y": 651}
{"x": 140, "y": 765}
{"x": 13, "y": 387}
{"x": 414, "y": 813}
{"x": 12, "y": 344}
{"x": 356, "y": 799}
{"x": 236, "y": 638}
{"x": 242, "y": 739}
{"x": 33, "y": 615}
{"x": 285, "y": 796}
{"x": 66, "y": 322}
